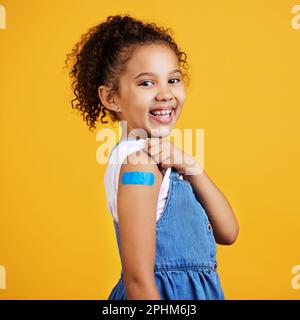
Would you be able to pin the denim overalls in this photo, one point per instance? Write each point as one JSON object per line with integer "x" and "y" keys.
{"x": 185, "y": 261}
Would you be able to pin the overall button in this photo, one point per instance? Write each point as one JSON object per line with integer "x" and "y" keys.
{"x": 209, "y": 227}
{"x": 215, "y": 266}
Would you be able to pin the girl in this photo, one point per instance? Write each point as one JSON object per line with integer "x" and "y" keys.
{"x": 167, "y": 213}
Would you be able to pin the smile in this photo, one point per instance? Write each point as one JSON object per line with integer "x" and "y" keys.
{"x": 162, "y": 116}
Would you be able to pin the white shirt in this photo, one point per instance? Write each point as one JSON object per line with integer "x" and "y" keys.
{"x": 111, "y": 176}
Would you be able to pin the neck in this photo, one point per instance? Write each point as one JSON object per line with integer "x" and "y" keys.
{"x": 131, "y": 134}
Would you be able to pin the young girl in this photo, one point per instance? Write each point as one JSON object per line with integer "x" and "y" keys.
{"x": 156, "y": 192}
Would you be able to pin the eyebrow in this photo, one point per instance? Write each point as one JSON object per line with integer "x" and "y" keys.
{"x": 153, "y": 74}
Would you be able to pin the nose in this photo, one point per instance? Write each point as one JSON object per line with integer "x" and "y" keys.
{"x": 164, "y": 93}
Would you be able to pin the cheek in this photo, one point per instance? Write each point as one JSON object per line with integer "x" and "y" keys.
{"x": 138, "y": 110}
{"x": 181, "y": 96}
{"x": 142, "y": 102}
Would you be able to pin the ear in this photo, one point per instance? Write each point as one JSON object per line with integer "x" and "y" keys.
{"x": 108, "y": 99}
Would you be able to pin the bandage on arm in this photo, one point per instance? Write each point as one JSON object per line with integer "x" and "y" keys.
{"x": 138, "y": 177}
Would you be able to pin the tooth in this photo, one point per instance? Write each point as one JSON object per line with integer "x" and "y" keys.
{"x": 163, "y": 112}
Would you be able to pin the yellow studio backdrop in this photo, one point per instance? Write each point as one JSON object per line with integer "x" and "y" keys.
{"x": 57, "y": 238}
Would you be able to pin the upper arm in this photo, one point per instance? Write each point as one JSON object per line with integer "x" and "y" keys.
{"x": 137, "y": 206}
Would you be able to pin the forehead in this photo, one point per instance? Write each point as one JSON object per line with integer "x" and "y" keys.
{"x": 156, "y": 58}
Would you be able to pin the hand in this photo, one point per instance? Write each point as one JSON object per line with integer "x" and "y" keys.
{"x": 166, "y": 155}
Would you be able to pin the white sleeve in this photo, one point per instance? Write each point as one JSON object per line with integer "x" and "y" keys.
{"x": 111, "y": 177}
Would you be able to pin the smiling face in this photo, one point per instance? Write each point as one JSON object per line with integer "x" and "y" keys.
{"x": 146, "y": 100}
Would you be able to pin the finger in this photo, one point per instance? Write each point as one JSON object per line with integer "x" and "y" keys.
{"x": 165, "y": 157}
{"x": 162, "y": 159}
{"x": 154, "y": 150}
{"x": 150, "y": 143}
{"x": 162, "y": 156}
{"x": 157, "y": 158}
{"x": 166, "y": 163}
{"x": 146, "y": 145}
{"x": 154, "y": 141}
{"x": 164, "y": 147}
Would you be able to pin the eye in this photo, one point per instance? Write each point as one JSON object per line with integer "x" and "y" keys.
{"x": 145, "y": 82}
{"x": 178, "y": 80}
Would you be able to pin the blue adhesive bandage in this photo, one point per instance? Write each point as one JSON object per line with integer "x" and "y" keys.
{"x": 136, "y": 177}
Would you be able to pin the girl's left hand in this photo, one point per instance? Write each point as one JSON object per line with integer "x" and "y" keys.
{"x": 166, "y": 155}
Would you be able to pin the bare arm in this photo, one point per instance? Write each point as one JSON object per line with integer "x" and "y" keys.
{"x": 137, "y": 224}
{"x": 218, "y": 209}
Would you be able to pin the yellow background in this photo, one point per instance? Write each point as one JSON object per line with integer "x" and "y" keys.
{"x": 57, "y": 239}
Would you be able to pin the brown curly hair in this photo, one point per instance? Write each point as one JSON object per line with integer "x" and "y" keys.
{"x": 100, "y": 57}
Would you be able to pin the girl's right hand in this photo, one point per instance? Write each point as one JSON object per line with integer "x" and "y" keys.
{"x": 166, "y": 154}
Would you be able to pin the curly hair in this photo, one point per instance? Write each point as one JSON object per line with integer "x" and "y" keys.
{"x": 100, "y": 57}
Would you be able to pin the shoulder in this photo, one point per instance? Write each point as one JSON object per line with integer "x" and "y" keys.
{"x": 139, "y": 161}
{"x": 130, "y": 156}
{"x": 137, "y": 202}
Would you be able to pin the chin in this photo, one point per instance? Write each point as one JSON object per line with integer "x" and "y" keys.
{"x": 160, "y": 132}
